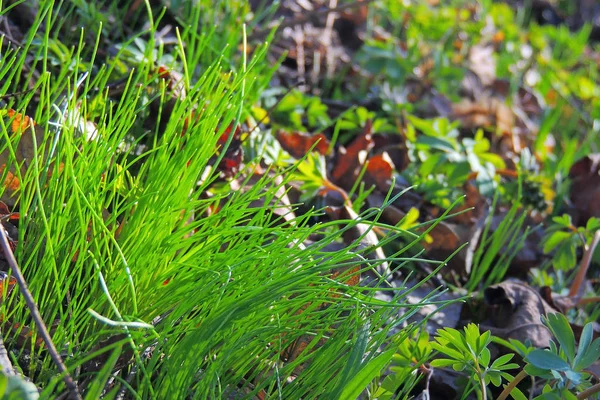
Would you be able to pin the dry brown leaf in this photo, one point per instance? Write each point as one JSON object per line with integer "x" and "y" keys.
{"x": 515, "y": 311}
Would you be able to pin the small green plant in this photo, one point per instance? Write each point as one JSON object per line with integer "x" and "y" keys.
{"x": 301, "y": 112}
{"x": 468, "y": 352}
{"x": 445, "y": 162}
{"x": 496, "y": 250}
{"x": 563, "y": 238}
{"x": 563, "y": 365}
{"x": 411, "y": 355}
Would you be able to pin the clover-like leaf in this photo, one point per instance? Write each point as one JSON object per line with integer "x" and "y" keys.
{"x": 561, "y": 329}
{"x": 545, "y": 359}
{"x": 587, "y": 358}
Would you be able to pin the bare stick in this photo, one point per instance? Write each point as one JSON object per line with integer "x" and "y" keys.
{"x": 37, "y": 317}
{"x": 583, "y": 267}
{"x": 513, "y": 384}
{"x": 589, "y": 392}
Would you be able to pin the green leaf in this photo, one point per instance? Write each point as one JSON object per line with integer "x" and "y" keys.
{"x": 494, "y": 378}
{"x": 365, "y": 375}
{"x": 501, "y": 361}
{"x": 3, "y": 383}
{"x": 442, "y": 362}
{"x": 555, "y": 239}
{"x": 18, "y": 388}
{"x": 584, "y": 343}
{"x": 590, "y": 356}
{"x": 517, "y": 394}
{"x": 544, "y": 359}
{"x": 564, "y": 220}
{"x": 538, "y": 372}
{"x": 592, "y": 225}
{"x": 484, "y": 357}
{"x": 565, "y": 257}
{"x": 561, "y": 329}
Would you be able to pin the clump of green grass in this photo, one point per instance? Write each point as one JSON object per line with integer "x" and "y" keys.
{"x": 148, "y": 290}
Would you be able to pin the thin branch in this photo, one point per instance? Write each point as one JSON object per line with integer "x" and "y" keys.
{"x": 583, "y": 267}
{"x": 589, "y": 392}
{"x": 35, "y": 314}
{"x": 512, "y": 384}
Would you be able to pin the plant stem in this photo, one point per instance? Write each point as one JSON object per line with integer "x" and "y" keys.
{"x": 483, "y": 388}
{"x": 589, "y": 391}
{"x": 35, "y": 314}
{"x": 508, "y": 388}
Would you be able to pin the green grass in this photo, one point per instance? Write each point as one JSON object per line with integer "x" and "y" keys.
{"x": 144, "y": 283}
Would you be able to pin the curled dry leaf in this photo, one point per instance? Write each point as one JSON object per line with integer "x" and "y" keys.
{"x": 561, "y": 303}
{"x": 473, "y": 205}
{"x": 391, "y": 214}
{"x": 394, "y": 145}
{"x": 525, "y": 99}
{"x": 232, "y": 160}
{"x": 515, "y": 309}
{"x": 298, "y": 143}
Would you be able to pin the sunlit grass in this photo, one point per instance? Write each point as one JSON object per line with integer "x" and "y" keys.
{"x": 122, "y": 255}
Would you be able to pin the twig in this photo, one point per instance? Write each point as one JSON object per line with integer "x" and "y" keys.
{"x": 583, "y": 267}
{"x": 588, "y": 300}
{"x": 35, "y": 313}
{"x": 512, "y": 384}
{"x": 589, "y": 391}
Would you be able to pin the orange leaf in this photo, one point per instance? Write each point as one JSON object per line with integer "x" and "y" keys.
{"x": 380, "y": 169}
{"x": 11, "y": 182}
{"x": 298, "y": 143}
{"x": 20, "y": 122}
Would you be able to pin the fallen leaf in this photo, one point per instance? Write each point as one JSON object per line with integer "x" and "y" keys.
{"x": 515, "y": 311}
{"x": 379, "y": 171}
{"x": 298, "y": 143}
{"x": 350, "y": 160}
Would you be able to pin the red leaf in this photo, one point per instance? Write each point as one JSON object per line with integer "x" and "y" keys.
{"x": 380, "y": 170}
